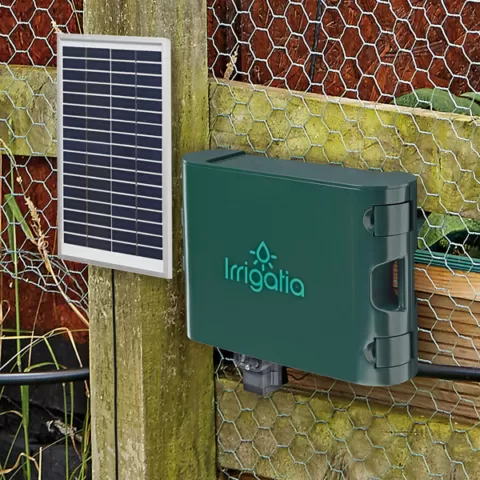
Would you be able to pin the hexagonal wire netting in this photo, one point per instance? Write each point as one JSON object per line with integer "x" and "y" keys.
{"x": 333, "y": 81}
{"x": 27, "y": 128}
{"x": 352, "y": 52}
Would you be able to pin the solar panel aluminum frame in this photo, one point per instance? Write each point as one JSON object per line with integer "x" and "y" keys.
{"x": 121, "y": 261}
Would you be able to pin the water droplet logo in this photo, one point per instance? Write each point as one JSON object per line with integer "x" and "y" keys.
{"x": 263, "y": 256}
{"x": 257, "y": 276}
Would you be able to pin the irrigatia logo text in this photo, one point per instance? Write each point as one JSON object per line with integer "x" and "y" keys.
{"x": 261, "y": 276}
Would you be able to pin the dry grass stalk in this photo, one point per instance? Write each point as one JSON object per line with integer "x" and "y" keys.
{"x": 11, "y": 412}
{"x": 42, "y": 246}
{"x": 339, "y": 467}
{"x": 40, "y": 458}
{"x": 231, "y": 65}
{"x": 2, "y": 320}
{"x": 77, "y": 16}
{"x": 37, "y": 313}
{"x": 17, "y": 464}
{"x": 56, "y": 28}
{"x": 72, "y": 341}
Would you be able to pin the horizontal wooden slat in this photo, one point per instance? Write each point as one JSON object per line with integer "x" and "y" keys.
{"x": 430, "y": 309}
{"x": 460, "y": 328}
{"x": 442, "y": 301}
{"x": 451, "y": 283}
{"x": 426, "y": 395}
{"x": 296, "y": 436}
{"x": 442, "y": 149}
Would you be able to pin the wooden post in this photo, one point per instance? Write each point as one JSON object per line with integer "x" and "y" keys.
{"x": 152, "y": 388}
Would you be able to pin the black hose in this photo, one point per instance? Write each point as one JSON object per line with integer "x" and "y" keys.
{"x": 443, "y": 372}
{"x": 40, "y": 378}
{"x": 448, "y": 372}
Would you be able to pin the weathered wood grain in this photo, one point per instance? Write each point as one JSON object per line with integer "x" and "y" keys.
{"x": 102, "y": 373}
{"x": 442, "y": 149}
{"x": 165, "y": 388}
{"x": 450, "y": 283}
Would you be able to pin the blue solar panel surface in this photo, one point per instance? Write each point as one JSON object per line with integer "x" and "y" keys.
{"x": 112, "y": 150}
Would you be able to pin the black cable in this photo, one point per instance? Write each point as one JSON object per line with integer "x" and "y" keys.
{"x": 448, "y": 372}
{"x": 40, "y": 378}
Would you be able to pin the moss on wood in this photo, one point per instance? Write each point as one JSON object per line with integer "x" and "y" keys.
{"x": 27, "y": 109}
{"x": 299, "y": 436}
{"x": 102, "y": 373}
{"x": 165, "y": 386}
{"x": 441, "y": 148}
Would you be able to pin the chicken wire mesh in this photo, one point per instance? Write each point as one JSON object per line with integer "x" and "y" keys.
{"x": 27, "y": 128}
{"x": 353, "y": 53}
{"x": 334, "y": 81}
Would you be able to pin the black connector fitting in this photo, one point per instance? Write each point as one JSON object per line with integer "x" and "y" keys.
{"x": 259, "y": 376}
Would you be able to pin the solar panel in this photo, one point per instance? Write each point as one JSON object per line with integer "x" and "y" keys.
{"x": 114, "y": 152}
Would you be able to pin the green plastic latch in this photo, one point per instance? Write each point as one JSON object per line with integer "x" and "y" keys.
{"x": 391, "y": 220}
{"x": 393, "y": 351}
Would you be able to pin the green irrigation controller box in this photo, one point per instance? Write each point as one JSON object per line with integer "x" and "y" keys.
{"x": 292, "y": 264}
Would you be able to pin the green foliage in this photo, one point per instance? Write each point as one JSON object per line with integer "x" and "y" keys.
{"x": 15, "y": 216}
{"x": 439, "y": 226}
{"x": 473, "y": 95}
{"x": 441, "y": 101}
{"x": 440, "y": 229}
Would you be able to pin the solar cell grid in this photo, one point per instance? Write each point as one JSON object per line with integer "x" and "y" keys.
{"x": 114, "y": 167}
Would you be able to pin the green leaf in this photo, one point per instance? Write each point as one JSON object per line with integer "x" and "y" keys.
{"x": 440, "y": 226}
{"x": 475, "y": 96}
{"x": 17, "y": 216}
{"x": 39, "y": 365}
{"x": 25, "y": 399}
{"x": 10, "y": 226}
{"x": 439, "y": 101}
